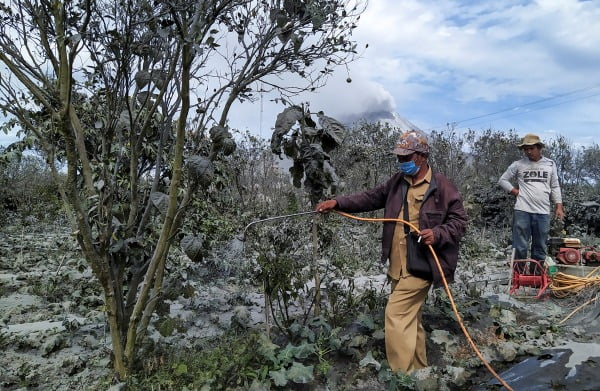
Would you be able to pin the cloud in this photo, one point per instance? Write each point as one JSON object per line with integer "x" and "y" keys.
{"x": 503, "y": 48}
{"x": 444, "y": 61}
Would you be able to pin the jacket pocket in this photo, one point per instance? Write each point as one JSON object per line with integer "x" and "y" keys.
{"x": 434, "y": 218}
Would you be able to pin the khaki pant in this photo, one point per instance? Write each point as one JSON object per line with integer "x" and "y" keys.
{"x": 404, "y": 332}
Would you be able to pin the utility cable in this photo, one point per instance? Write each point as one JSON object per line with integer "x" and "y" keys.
{"x": 568, "y": 93}
{"x": 539, "y": 108}
{"x": 448, "y": 292}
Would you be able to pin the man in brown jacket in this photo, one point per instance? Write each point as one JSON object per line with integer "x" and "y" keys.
{"x": 435, "y": 207}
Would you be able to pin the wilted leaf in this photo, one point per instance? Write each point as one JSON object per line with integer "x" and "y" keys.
{"x": 297, "y": 172}
{"x": 267, "y": 349}
{"x": 142, "y": 78}
{"x": 159, "y": 77}
{"x": 317, "y": 16}
{"x": 290, "y": 148}
{"x": 160, "y": 201}
{"x": 229, "y": 146}
{"x": 331, "y": 176}
{"x": 297, "y": 41}
{"x": 294, "y": 8}
{"x": 309, "y": 132}
{"x": 222, "y": 140}
{"x": 369, "y": 360}
{"x": 279, "y": 377}
{"x": 278, "y": 17}
{"x": 192, "y": 247}
{"x": 284, "y": 122}
{"x": 366, "y": 321}
{"x": 333, "y": 131}
{"x": 299, "y": 373}
{"x": 156, "y": 76}
{"x": 201, "y": 169}
{"x": 312, "y": 152}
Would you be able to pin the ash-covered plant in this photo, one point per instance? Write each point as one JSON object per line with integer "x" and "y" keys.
{"x": 297, "y": 136}
{"x": 134, "y": 107}
{"x": 283, "y": 268}
{"x": 308, "y": 146}
{"x": 28, "y": 188}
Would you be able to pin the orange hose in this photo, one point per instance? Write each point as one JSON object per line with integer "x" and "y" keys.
{"x": 564, "y": 285}
{"x": 437, "y": 262}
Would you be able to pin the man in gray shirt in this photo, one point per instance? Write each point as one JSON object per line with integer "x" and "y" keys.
{"x": 537, "y": 185}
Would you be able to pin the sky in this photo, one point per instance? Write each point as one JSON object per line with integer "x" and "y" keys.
{"x": 531, "y": 66}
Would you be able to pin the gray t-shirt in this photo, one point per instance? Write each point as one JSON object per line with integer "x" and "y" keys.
{"x": 537, "y": 183}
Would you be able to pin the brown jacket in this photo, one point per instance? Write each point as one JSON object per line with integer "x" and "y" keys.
{"x": 442, "y": 211}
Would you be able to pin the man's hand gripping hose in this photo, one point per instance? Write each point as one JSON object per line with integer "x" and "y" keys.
{"x": 447, "y": 289}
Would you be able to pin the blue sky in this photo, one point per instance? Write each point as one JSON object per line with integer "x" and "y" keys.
{"x": 535, "y": 64}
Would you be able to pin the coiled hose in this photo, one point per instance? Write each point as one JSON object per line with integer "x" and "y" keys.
{"x": 563, "y": 285}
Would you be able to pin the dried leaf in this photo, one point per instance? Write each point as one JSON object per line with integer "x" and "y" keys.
{"x": 333, "y": 131}
{"x": 192, "y": 247}
{"x": 160, "y": 201}
{"x": 222, "y": 140}
{"x": 284, "y": 122}
{"x": 201, "y": 169}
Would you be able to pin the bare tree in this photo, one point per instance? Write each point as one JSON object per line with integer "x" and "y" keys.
{"x": 134, "y": 97}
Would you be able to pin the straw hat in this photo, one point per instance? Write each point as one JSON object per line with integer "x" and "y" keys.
{"x": 531, "y": 139}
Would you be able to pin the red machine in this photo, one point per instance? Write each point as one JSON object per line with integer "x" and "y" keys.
{"x": 529, "y": 278}
{"x": 570, "y": 251}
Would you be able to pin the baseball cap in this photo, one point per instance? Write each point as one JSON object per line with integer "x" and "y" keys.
{"x": 411, "y": 142}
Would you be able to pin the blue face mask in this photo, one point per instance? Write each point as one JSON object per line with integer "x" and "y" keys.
{"x": 408, "y": 168}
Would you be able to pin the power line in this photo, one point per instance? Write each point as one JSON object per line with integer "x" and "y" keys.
{"x": 528, "y": 104}
{"x": 540, "y": 108}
